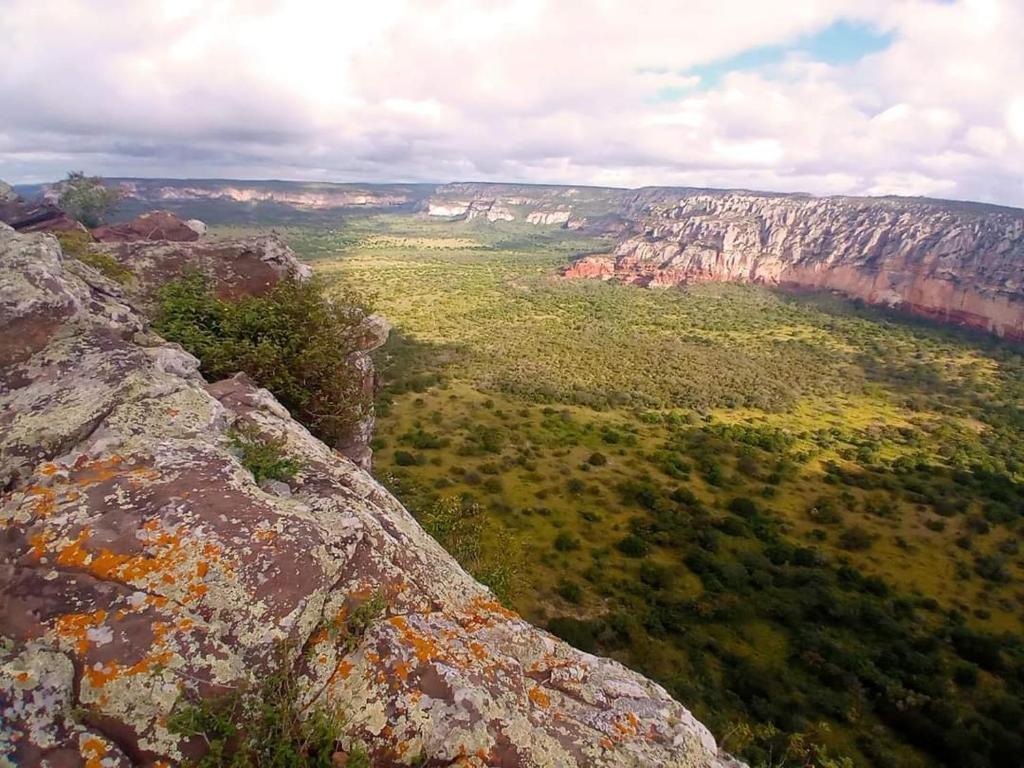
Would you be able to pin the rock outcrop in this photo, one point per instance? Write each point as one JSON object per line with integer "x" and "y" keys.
{"x": 157, "y": 225}
{"x": 33, "y": 217}
{"x": 243, "y": 267}
{"x": 957, "y": 263}
{"x": 140, "y": 562}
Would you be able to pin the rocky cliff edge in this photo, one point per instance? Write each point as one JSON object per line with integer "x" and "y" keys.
{"x": 140, "y": 562}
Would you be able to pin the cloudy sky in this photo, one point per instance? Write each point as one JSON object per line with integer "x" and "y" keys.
{"x": 915, "y": 97}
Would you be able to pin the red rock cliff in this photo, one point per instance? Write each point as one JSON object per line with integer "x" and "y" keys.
{"x": 955, "y": 262}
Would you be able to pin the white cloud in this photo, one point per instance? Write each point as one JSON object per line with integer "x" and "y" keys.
{"x": 538, "y": 90}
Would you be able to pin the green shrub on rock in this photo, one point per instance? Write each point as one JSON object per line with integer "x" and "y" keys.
{"x": 292, "y": 340}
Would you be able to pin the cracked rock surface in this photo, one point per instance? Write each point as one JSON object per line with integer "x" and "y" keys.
{"x": 139, "y": 560}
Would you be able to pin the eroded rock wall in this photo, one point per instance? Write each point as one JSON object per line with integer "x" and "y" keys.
{"x": 958, "y": 263}
{"x": 139, "y": 561}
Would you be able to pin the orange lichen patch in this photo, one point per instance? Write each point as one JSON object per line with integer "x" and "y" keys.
{"x": 492, "y": 606}
{"x": 75, "y": 627}
{"x": 49, "y": 470}
{"x": 478, "y": 651}
{"x": 160, "y": 630}
{"x": 202, "y": 568}
{"x": 627, "y": 727}
{"x": 538, "y": 697}
{"x": 373, "y": 658}
{"x": 98, "y": 471}
{"x": 344, "y": 669}
{"x": 265, "y": 535}
{"x": 75, "y": 553}
{"x": 425, "y": 647}
{"x": 39, "y": 542}
{"x": 101, "y": 674}
{"x": 319, "y": 636}
{"x": 44, "y": 501}
{"x": 142, "y": 474}
{"x": 93, "y": 751}
{"x": 22, "y": 677}
{"x": 607, "y": 743}
{"x": 483, "y": 612}
{"x": 196, "y": 591}
{"x": 402, "y": 670}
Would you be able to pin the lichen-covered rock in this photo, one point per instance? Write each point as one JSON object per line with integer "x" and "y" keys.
{"x": 244, "y": 267}
{"x": 140, "y": 560}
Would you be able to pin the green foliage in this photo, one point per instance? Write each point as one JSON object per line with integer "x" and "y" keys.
{"x": 768, "y": 747}
{"x": 86, "y": 199}
{"x": 293, "y": 340}
{"x": 460, "y": 529}
{"x": 264, "y": 726}
{"x": 264, "y": 456}
{"x": 75, "y": 244}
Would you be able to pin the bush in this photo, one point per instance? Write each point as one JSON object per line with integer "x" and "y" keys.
{"x": 293, "y": 340}
{"x": 75, "y": 244}
{"x": 406, "y": 459}
{"x": 597, "y": 459}
{"x": 264, "y": 727}
{"x": 565, "y": 542}
{"x": 263, "y": 456}
{"x": 855, "y": 539}
{"x": 86, "y": 199}
{"x": 571, "y": 592}
{"x": 633, "y": 546}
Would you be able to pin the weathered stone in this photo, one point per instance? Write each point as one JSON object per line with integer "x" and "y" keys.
{"x": 958, "y": 263}
{"x": 156, "y": 225}
{"x": 245, "y": 267}
{"x": 140, "y": 561}
{"x": 36, "y": 217}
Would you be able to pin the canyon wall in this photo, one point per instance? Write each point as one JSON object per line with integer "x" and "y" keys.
{"x": 960, "y": 263}
{"x": 141, "y": 564}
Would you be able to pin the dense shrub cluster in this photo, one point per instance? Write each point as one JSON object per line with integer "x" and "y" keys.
{"x": 293, "y": 340}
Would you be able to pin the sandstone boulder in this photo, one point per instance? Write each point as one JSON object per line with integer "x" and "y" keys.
{"x": 157, "y": 225}
{"x": 140, "y": 561}
{"x": 36, "y": 217}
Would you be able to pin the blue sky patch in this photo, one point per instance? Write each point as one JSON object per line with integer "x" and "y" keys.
{"x": 841, "y": 43}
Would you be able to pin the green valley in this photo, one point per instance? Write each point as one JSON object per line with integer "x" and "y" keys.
{"x": 800, "y": 515}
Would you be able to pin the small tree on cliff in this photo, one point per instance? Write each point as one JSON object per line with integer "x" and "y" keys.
{"x": 86, "y": 199}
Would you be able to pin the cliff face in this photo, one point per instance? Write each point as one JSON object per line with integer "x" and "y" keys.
{"x": 141, "y": 561}
{"x": 957, "y": 263}
{"x": 300, "y": 195}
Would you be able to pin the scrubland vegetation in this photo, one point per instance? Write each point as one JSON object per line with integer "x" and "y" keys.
{"x": 800, "y": 515}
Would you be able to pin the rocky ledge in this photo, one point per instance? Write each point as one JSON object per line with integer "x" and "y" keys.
{"x": 141, "y": 562}
{"x": 959, "y": 263}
